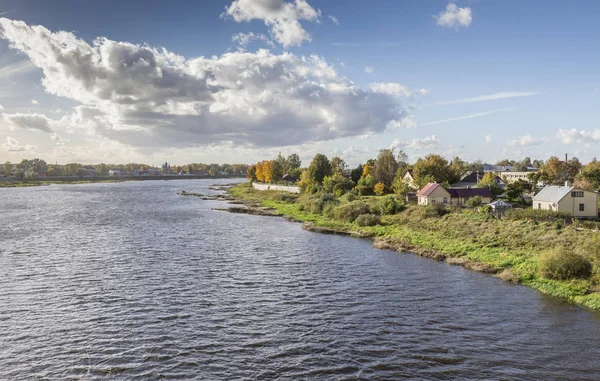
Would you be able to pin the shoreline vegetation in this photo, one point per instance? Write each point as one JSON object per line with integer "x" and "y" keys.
{"x": 525, "y": 249}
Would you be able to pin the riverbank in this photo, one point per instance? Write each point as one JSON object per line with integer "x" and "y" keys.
{"x": 11, "y": 183}
{"x": 509, "y": 249}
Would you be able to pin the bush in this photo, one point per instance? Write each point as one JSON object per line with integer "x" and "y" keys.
{"x": 350, "y": 211}
{"x": 390, "y": 205}
{"x": 435, "y": 210}
{"x": 321, "y": 203}
{"x": 368, "y": 220}
{"x": 363, "y": 190}
{"x": 562, "y": 264}
{"x": 287, "y": 198}
{"x": 379, "y": 189}
{"x": 473, "y": 202}
{"x": 536, "y": 215}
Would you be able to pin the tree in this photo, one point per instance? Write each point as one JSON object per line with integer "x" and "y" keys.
{"x": 589, "y": 177}
{"x": 400, "y": 187}
{"x": 433, "y": 168}
{"x": 557, "y": 171}
{"x": 356, "y": 173}
{"x": 7, "y": 168}
{"x": 379, "y": 188}
{"x": 515, "y": 190}
{"x": 102, "y": 169}
{"x": 293, "y": 162}
{"x": 319, "y": 168}
{"x": 251, "y": 173}
{"x": 458, "y": 166}
{"x": 338, "y": 165}
{"x": 385, "y": 167}
{"x": 504, "y": 162}
{"x": 489, "y": 180}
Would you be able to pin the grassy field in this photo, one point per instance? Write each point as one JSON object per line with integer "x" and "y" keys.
{"x": 508, "y": 248}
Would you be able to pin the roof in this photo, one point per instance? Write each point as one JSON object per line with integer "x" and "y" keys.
{"x": 428, "y": 189}
{"x": 410, "y": 172}
{"x": 470, "y": 192}
{"x": 472, "y": 177}
{"x": 500, "y": 203}
{"x": 552, "y": 193}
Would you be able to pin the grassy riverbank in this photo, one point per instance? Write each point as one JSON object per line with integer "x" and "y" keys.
{"x": 509, "y": 248}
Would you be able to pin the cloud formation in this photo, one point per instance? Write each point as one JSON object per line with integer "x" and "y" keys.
{"x": 28, "y": 121}
{"x": 148, "y": 97}
{"x": 528, "y": 141}
{"x": 454, "y": 16}
{"x": 428, "y": 142}
{"x": 477, "y": 115}
{"x": 243, "y": 39}
{"x": 369, "y": 69}
{"x": 280, "y": 16}
{"x": 576, "y": 136}
{"x": 334, "y": 20}
{"x": 13, "y": 146}
{"x": 490, "y": 97}
{"x": 391, "y": 88}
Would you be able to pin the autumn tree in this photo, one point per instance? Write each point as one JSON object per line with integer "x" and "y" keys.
{"x": 385, "y": 167}
{"x": 251, "y": 173}
{"x": 589, "y": 176}
{"x": 490, "y": 181}
{"x": 319, "y": 168}
{"x": 557, "y": 171}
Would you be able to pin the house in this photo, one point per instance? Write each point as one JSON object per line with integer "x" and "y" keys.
{"x": 472, "y": 179}
{"x": 289, "y": 178}
{"x": 461, "y": 195}
{"x": 575, "y": 201}
{"x": 433, "y": 193}
{"x": 409, "y": 179}
{"x": 116, "y": 172}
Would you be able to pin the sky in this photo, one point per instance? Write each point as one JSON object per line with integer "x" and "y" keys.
{"x": 242, "y": 80}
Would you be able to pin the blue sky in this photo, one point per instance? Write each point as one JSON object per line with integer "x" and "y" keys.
{"x": 479, "y": 79}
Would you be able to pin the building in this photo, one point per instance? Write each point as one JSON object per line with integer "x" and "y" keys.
{"x": 435, "y": 193}
{"x": 409, "y": 179}
{"x": 567, "y": 199}
{"x": 461, "y": 195}
{"x": 289, "y": 178}
{"x": 472, "y": 179}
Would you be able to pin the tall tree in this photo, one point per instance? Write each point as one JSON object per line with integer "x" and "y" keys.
{"x": 338, "y": 166}
{"x": 319, "y": 168}
{"x": 7, "y": 168}
{"x": 386, "y": 167}
{"x": 433, "y": 168}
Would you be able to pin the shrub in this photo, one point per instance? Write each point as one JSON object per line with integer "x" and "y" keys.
{"x": 350, "y": 211}
{"x": 320, "y": 204}
{"x": 473, "y": 202}
{"x": 536, "y": 215}
{"x": 379, "y": 189}
{"x": 435, "y": 210}
{"x": 368, "y": 220}
{"x": 363, "y": 190}
{"x": 562, "y": 264}
{"x": 390, "y": 205}
{"x": 287, "y": 198}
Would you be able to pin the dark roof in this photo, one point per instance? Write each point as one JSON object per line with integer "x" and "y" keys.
{"x": 470, "y": 192}
{"x": 428, "y": 189}
{"x": 288, "y": 177}
{"x": 472, "y": 177}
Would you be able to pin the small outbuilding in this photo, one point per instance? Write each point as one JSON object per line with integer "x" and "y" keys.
{"x": 289, "y": 178}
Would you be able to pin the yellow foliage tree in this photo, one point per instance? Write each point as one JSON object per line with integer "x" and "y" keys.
{"x": 379, "y": 189}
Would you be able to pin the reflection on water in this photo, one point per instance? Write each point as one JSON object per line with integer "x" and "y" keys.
{"x": 131, "y": 281}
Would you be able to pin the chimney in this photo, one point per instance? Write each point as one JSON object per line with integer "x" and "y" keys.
{"x": 566, "y": 159}
{"x": 567, "y": 183}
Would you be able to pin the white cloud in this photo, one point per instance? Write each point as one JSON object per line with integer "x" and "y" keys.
{"x": 488, "y": 139}
{"x": 13, "y": 146}
{"x": 280, "y": 16}
{"x": 408, "y": 121}
{"x": 477, "y": 115}
{"x": 369, "y": 69}
{"x": 490, "y": 97}
{"x": 527, "y": 141}
{"x": 454, "y": 16}
{"x": 398, "y": 144}
{"x": 147, "y": 97}
{"x": 422, "y": 91}
{"x": 16, "y": 68}
{"x": 424, "y": 143}
{"x": 34, "y": 102}
{"x": 1, "y": 107}
{"x": 575, "y": 136}
{"x": 334, "y": 20}
{"x": 391, "y": 88}
{"x": 243, "y": 39}
{"x": 28, "y": 121}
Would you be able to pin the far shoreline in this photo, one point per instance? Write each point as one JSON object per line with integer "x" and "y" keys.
{"x": 13, "y": 183}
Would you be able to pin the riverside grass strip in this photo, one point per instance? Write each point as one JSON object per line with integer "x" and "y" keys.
{"x": 507, "y": 248}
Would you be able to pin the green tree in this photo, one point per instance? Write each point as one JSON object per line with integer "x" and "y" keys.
{"x": 356, "y": 173}
{"x": 102, "y": 169}
{"x": 515, "y": 190}
{"x": 433, "y": 168}
{"x": 338, "y": 165}
{"x": 489, "y": 180}
{"x": 319, "y": 168}
{"x": 7, "y": 168}
{"x": 386, "y": 167}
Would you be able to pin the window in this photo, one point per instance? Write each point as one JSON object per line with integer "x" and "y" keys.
{"x": 539, "y": 205}
{"x": 581, "y": 207}
{"x": 445, "y": 200}
{"x": 577, "y": 194}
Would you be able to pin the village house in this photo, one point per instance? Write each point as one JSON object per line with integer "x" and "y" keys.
{"x": 409, "y": 179}
{"x": 435, "y": 193}
{"x": 568, "y": 199}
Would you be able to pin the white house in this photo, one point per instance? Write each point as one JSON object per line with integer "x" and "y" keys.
{"x": 575, "y": 201}
{"x": 409, "y": 179}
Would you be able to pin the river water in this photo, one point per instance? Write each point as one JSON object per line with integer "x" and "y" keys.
{"x": 131, "y": 281}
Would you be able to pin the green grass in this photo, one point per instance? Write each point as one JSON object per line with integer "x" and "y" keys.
{"x": 474, "y": 239}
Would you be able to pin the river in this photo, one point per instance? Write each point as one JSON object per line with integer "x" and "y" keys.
{"x": 131, "y": 281}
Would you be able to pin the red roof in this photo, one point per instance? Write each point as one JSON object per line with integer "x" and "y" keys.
{"x": 428, "y": 189}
